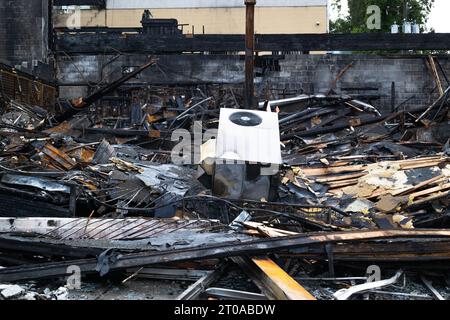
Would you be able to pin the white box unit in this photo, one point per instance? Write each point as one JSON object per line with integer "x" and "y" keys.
{"x": 248, "y": 136}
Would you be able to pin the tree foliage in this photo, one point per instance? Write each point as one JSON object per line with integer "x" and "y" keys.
{"x": 392, "y": 11}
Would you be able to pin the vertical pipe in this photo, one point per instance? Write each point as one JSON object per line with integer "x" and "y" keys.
{"x": 393, "y": 95}
{"x": 249, "y": 54}
{"x": 73, "y": 200}
{"x": 49, "y": 21}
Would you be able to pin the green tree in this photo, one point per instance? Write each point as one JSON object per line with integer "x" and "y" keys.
{"x": 391, "y": 11}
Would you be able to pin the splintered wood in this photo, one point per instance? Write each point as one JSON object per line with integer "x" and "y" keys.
{"x": 391, "y": 183}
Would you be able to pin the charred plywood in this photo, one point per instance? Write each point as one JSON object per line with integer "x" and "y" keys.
{"x": 22, "y": 87}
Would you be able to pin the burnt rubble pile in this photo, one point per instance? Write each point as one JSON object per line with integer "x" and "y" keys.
{"x": 335, "y": 186}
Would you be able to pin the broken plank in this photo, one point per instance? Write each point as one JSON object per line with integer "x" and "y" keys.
{"x": 425, "y": 164}
{"x": 340, "y": 177}
{"x": 282, "y": 281}
{"x": 229, "y": 294}
{"x": 419, "y": 186}
{"x": 195, "y": 290}
{"x": 268, "y": 231}
{"x": 315, "y": 172}
{"x": 275, "y": 283}
{"x": 341, "y": 184}
{"x": 58, "y": 157}
{"x": 431, "y": 198}
{"x": 169, "y": 274}
{"x": 430, "y": 191}
{"x": 435, "y": 74}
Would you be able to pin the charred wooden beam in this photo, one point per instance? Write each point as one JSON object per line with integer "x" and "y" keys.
{"x": 107, "y": 41}
{"x": 33, "y": 247}
{"x": 116, "y": 261}
{"x": 379, "y": 252}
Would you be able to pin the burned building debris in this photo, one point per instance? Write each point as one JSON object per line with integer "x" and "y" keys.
{"x": 351, "y": 185}
{"x": 304, "y": 197}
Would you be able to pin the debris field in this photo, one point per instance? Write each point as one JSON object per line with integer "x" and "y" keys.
{"x": 305, "y": 197}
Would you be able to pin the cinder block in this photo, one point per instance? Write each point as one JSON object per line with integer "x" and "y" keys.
{"x": 12, "y": 291}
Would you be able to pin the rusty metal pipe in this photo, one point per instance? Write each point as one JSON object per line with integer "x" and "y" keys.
{"x": 249, "y": 54}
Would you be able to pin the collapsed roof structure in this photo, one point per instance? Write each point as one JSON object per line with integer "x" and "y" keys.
{"x": 297, "y": 197}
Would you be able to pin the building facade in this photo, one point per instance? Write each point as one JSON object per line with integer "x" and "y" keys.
{"x": 209, "y": 16}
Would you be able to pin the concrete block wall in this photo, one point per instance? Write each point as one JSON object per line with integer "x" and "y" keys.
{"x": 74, "y": 72}
{"x": 298, "y": 74}
{"x": 315, "y": 74}
{"x": 23, "y": 32}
